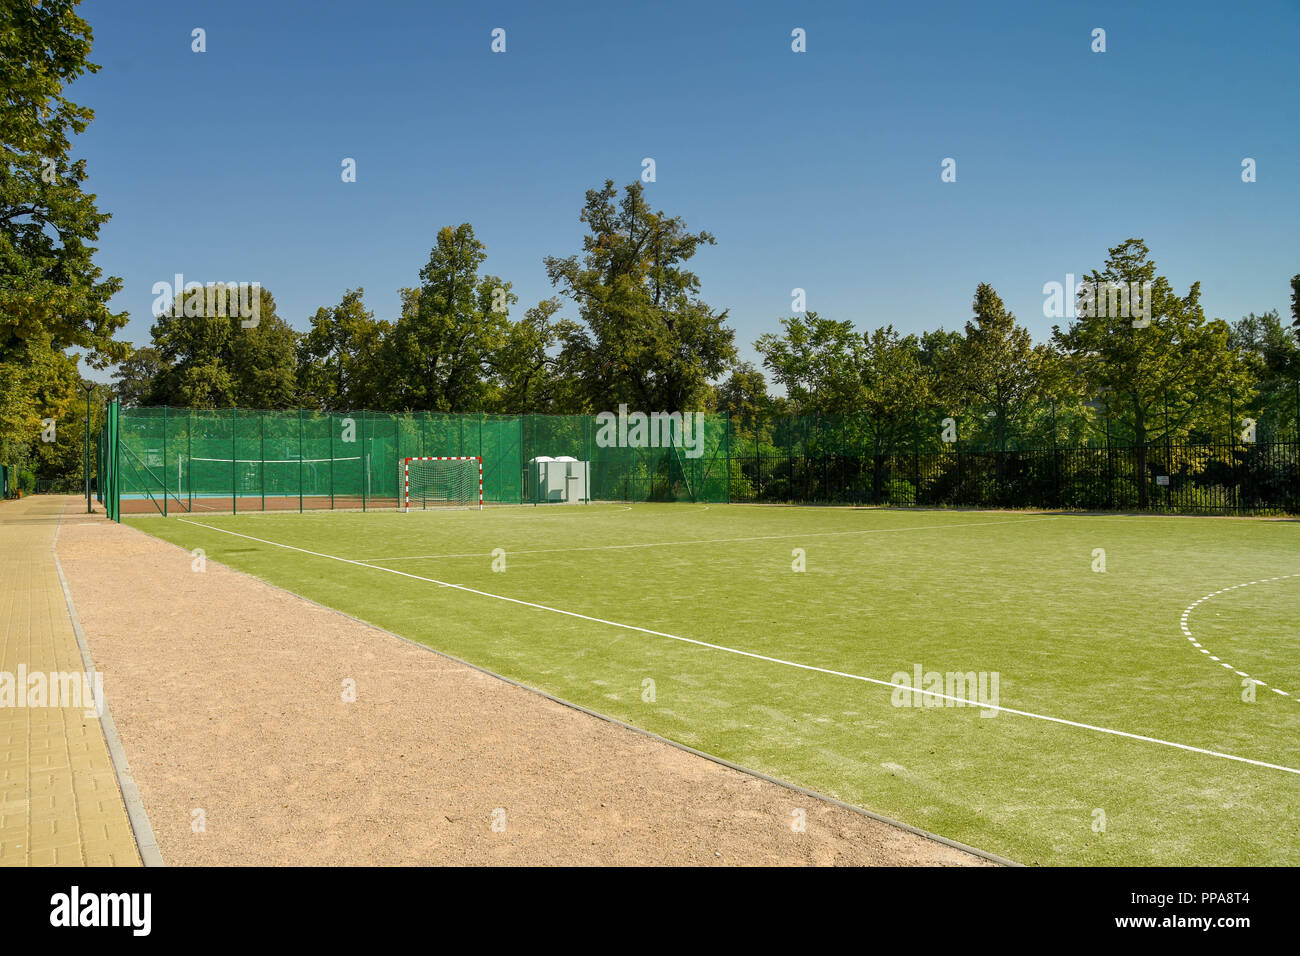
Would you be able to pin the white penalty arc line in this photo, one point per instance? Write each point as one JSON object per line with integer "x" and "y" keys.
{"x": 1187, "y": 633}
{"x": 763, "y": 657}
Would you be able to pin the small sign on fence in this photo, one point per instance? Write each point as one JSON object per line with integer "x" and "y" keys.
{"x": 1162, "y": 479}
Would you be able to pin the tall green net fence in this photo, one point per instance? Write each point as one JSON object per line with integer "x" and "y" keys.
{"x": 1189, "y": 456}
{"x": 170, "y": 460}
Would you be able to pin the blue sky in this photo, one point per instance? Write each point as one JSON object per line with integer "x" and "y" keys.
{"x": 818, "y": 170}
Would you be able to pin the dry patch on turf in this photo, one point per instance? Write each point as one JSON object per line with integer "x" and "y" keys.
{"x": 228, "y": 695}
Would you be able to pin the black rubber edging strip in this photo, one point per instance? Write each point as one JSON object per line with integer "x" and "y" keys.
{"x": 758, "y": 774}
{"x": 146, "y": 844}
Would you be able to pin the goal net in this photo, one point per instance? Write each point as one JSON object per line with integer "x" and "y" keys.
{"x": 442, "y": 483}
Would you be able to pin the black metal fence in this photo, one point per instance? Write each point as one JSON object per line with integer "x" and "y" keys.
{"x": 1210, "y": 478}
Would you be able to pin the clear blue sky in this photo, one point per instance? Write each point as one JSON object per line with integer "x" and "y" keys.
{"x": 818, "y": 170}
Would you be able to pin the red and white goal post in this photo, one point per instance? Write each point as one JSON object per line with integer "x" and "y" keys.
{"x": 444, "y": 482}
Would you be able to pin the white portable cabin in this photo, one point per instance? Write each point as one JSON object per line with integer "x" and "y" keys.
{"x": 575, "y": 477}
{"x": 557, "y": 479}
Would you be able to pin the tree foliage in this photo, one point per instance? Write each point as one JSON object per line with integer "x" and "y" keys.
{"x": 53, "y": 297}
{"x": 451, "y": 325}
{"x": 212, "y": 360}
{"x": 340, "y": 358}
{"x": 647, "y": 338}
{"x": 51, "y": 292}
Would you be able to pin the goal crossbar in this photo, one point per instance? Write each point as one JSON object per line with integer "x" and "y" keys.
{"x": 470, "y": 462}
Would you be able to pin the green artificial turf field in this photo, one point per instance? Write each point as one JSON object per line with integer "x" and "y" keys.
{"x": 1011, "y": 596}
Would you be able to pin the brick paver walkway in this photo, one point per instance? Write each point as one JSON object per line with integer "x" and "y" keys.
{"x": 59, "y": 798}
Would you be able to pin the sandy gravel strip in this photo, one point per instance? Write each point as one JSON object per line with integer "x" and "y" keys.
{"x": 228, "y": 698}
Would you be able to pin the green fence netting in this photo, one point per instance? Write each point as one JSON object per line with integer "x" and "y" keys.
{"x": 185, "y": 460}
{"x": 1219, "y": 457}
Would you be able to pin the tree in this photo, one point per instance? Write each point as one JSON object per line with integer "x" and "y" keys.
{"x": 817, "y": 361}
{"x": 527, "y": 370}
{"x": 935, "y": 347}
{"x": 52, "y": 296}
{"x": 50, "y": 290}
{"x": 439, "y": 355}
{"x": 647, "y": 338}
{"x": 1295, "y": 302}
{"x": 36, "y": 389}
{"x": 136, "y": 377}
{"x": 897, "y": 385}
{"x": 340, "y": 360}
{"x": 61, "y": 463}
{"x": 995, "y": 367}
{"x": 211, "y": 359}
{"x": 1271, "y": 352}
{"x": 743, "y": 396}
{"x": 1153, "y": 378}
{"x": 262, "y": 360}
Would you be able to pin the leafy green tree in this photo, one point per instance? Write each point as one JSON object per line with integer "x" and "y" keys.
{"x": 1295, "y": 302}
{"x": 1271, "y": 351}
{"x": 897, "y": 387}
{"x": 263, "y": 360}
{"x": 60, "y": 464}
{"x": 874, "y": 385}
{"x": 995, "y": 367}
{"x": 340, "y": 360}
{"x": 212, "y": 360}
{"x": 935, "y": 346}
{"x": 39, "y": 385}
{"x": 647, "y": 338}
{"x": 439, "y": 354}
{"x": 743, "y": 396}
{"x": 49, "y": 285}
{"x": 527, "y": 368}
{"x": 52, "y": 296}
{"x": 1154, "y": 379}
{"x": 817, "y": 361}
{"x": 136, "y": 377}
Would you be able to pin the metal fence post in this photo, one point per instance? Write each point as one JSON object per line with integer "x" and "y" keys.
{"x": 234, "y": 461}
{"x": 165, "y": 469}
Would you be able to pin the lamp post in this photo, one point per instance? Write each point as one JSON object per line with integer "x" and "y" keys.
{"x": 89, "y": 387}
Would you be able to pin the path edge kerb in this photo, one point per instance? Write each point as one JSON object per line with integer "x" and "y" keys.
{"x": 739, "y": 768}
{"x": 146, "y": 844}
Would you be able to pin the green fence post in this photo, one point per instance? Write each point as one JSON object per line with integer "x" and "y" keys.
{"x": 726, "y": 438}
{"x": 526, "y": 472}
{"x": 300, "y": 461}
{"x": 165, "y": 467}
{"x": 234, "y": 461}
{"x": 116, "y": 453}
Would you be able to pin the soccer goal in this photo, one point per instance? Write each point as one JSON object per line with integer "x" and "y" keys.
{"x": 442, "y": 483}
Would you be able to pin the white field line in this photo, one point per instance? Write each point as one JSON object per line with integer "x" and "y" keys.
{"x": 1187, "y": 611}
{"x": 762, "y": 657}
{"x": 673, "y": 544}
